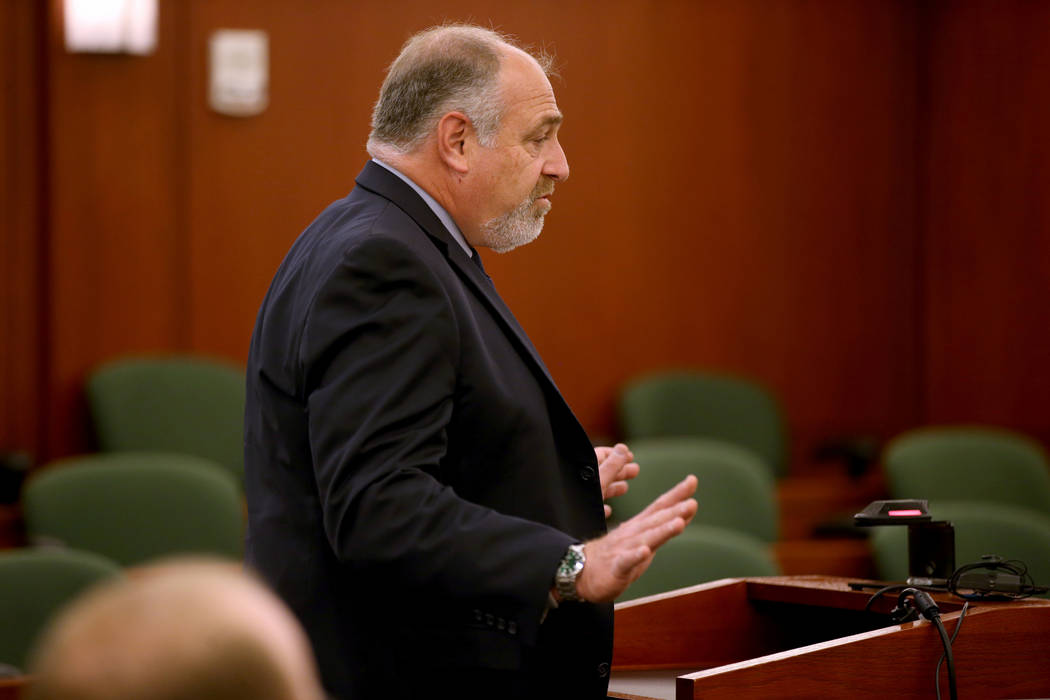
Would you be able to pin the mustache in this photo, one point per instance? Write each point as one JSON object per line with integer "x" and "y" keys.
{"x": 543, "y": 188}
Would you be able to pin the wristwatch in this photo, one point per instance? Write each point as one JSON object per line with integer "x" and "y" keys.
{"x": 568, "y": 570}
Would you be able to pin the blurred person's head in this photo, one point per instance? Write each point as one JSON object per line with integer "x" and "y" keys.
{"x": 175, "y": 631}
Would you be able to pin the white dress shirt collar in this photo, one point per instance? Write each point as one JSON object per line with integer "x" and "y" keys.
{"x": 438, "y": 210}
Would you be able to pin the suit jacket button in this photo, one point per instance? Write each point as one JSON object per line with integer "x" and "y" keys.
{"x": 587, "y": 473}
{"x": 603, "y": 670}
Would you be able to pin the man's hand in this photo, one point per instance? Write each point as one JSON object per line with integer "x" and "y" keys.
{"x": 621, "y": 556}
{"x": 615, "y": 467}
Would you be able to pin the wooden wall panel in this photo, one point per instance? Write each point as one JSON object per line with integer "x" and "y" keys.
{"x": 116, "y": 262}
{"x": 741, "y": 193}
{"x": 21, "y": 75}
{"x": 842, "y": 199}
{"x": 255, "y": 183}
{"x": 987, "y": 227}
{"x": 766, "y": 200}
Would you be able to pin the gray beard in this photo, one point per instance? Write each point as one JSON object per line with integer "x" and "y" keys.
{"x": 515, "y": 228}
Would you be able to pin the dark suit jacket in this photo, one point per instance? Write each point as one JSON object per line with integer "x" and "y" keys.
{"x": 413, "y": 475}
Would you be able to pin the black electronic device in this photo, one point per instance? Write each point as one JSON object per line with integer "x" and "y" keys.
{"x": 898, "y": 512}
{"x": 991, "y": 582}
{"x": 931, "y": 544}
{"x": 931, "y": 552}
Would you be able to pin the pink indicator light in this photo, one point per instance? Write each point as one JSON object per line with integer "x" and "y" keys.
{"x": 902, "y": 513}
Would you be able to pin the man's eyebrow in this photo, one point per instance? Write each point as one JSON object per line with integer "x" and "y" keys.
{"x": 553, "y": 119}
{"x": 547, "y": 122}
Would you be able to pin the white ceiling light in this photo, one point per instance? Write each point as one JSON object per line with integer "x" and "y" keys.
{"x": 111, "y": 26}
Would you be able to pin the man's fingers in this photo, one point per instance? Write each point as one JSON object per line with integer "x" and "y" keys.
{"x": 629, "y": 471}
{"x": 691, "y": 506}
{"x": 679, "y": 492}
{"x": 616, "y": 467}
{"x": 654, "y": 538}
{"x": 616, "y": 488}
{"x": 660, "y": 527}
{"x": 643, "y": 522}
{"x": 609, "y": 467}
{"x": 618, "y": 480}
{"x": 608, "y": 512}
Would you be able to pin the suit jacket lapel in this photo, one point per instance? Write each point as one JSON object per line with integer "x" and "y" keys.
{"x": 384, "y": 183}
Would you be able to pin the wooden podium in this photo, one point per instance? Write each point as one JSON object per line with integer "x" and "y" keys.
{"x": 11, "y": 688}
{"x": 809, "y": 637}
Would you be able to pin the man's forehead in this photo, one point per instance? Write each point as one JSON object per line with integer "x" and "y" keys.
{"x": 532, "y": 93}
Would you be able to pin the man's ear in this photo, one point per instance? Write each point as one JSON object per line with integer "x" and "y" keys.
{"x": 454, "y": 130}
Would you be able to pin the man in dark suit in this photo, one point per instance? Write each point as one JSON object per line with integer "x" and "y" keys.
{"x": 418, "y": 490}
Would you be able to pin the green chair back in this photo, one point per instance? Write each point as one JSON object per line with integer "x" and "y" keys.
{"x": 132, "y": 507}
{"x": 682, "y": 404}
{"x": 181, "y": 404}
{"x": 34, "y": 585}
{"x": 702, "y": 554}
{"x": 735, "y": 488}
{"x": 1011, "y": 532}
{"x": 968, "y": 463}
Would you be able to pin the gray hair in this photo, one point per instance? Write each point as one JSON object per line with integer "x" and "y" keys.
{"x": 453, "y": 67}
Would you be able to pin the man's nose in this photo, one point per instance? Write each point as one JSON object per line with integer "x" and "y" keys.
{"x": 557, "y": 166}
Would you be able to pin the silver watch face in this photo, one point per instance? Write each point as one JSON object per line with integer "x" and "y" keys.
{"x": 570, "y": 567}
{"x": 572, "y": 563}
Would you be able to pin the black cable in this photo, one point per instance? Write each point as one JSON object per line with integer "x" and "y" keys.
{"x": 897, "y": 587}
{"x": 990, "y": 563}
{"x": 882, "y": 591}
{"x": 955, "y": 633}
{"x": 951, "y": 662}
{"x": 922, "y": 602}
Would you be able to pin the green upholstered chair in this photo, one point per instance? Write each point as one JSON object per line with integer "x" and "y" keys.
{"x": 34, "y": 585}
{"x": 702, "y": 554}
{"x": 968, "y": 463}
{"x": 735, "y": 489}
{"x": 683, "y": 403}
{"x": 1011, "y": 532}
{"x": 177, "y": 404}
{"x": 132, "y": 507}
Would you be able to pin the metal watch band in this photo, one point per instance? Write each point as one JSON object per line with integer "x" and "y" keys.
{"x": 568, "y": 570}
